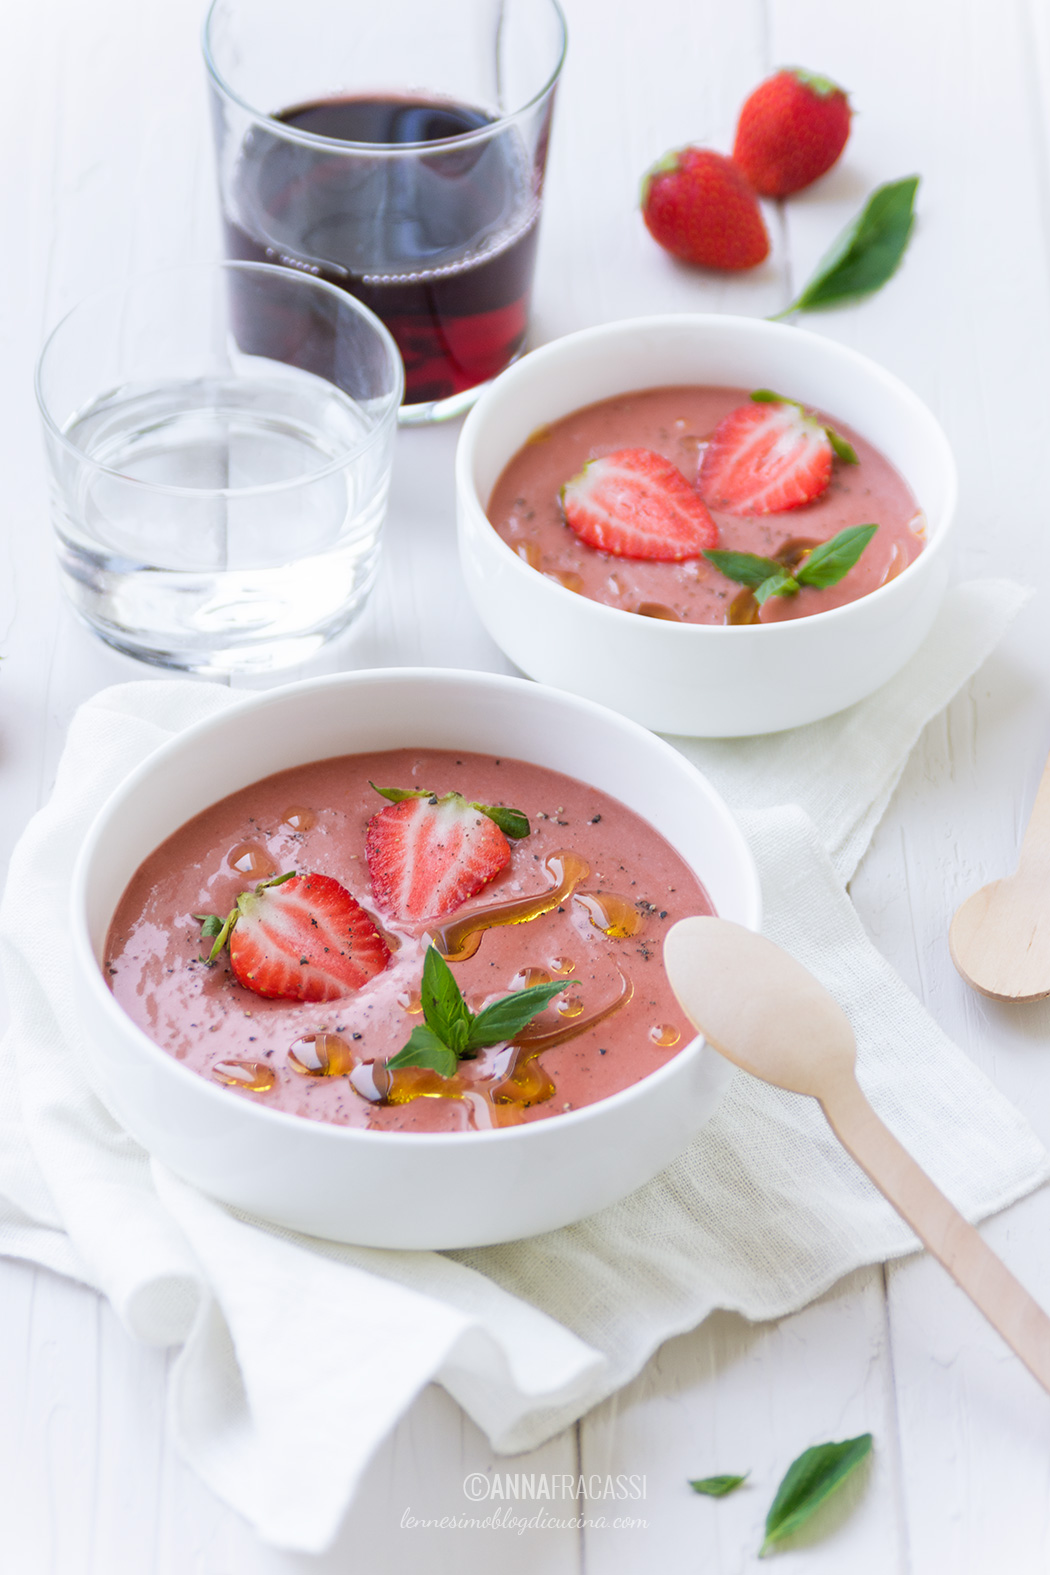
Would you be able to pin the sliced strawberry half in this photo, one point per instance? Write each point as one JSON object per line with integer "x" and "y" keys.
{"x": 299, "y": 938}
{"x": 428, "y": 855}
{"x": 765, "y": 458}
{"x": 636, "y": 504}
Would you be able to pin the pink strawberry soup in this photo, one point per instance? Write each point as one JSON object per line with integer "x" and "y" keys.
{"x": 587, "y": 897}
{"x": 677, "y": 423}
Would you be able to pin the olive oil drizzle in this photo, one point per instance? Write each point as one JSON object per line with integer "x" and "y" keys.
{"x": 460, "y": 939}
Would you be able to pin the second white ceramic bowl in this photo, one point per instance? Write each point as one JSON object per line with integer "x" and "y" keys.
{"x": 702, "y": 679}
{"x": 399, "y": 1189}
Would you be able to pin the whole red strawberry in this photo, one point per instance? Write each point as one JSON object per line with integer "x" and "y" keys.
{"x": 791, "y": 131}
{"x": 700, "y": 208}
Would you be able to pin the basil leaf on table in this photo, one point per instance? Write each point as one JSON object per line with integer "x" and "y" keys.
{"x": 866, "y": 254}
{"x": 718, "y": 1487}
{"x": 809, "y": 1482}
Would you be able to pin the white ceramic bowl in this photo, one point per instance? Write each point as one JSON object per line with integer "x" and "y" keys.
{"x": 702, "y": 679}
{"x": 394, "y": 1189}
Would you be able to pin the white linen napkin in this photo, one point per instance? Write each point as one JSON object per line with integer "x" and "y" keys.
{"x": 761, "y": 1214}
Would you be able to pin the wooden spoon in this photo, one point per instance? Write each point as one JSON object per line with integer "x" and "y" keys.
{"x": 1000, "y": 937}
{"x": 764, "y": 1012}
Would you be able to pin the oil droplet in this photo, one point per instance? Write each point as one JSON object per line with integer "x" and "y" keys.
{"x": 299, "y": 818}
{"x": 254, "y": 1076}
{"x": 419, "y": 1082}
{"x": 743, "y": 608}
{"x": 896, "y": 564}
{"x": 321, "y": 1055}
{"x": 528, "y": 1084}
{"x": 569, "y": 1006}
{"x": 540, "y": 435}
{"x": 529, "y": 978}
{"x": 460, "y": 938}
{"x": 371, "y": 1080}
{"x": 529, "y": 553}
{"x": 533, "y": 1041}
{"x": 613, "y": 915}
{"x": 562, "y": 964}
{"x": 664, "y": 1034}
{"x": 248, "y": 858}
{"x": 792, "y": 552}
{"x": 657, "y": 610}
{"x": 410, "y": 1002}
{"x": 567, "y": 577}
{"x": 481, "y": 1115}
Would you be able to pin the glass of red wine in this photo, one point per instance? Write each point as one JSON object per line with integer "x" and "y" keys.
{"x": 394, "y": 148}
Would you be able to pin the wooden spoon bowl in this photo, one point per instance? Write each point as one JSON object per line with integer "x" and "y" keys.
{"x": 1000, "y": 937}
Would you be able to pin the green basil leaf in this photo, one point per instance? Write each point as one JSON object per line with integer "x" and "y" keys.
{"x": 424, "y": 1048}
{"x": 395, "y": 795}
{"x": 503, "y": 1019}
{"x": 746, "y": 568}
{"x": 211, "y": 924}
{"x": 828, "y": 563}
{"x": 766, "y": 396}
{"x": 510, "y": 821}
{"x": 780, "y": 584}
{"x": 866, "y": 254}
{"x": 718, "y": 1487}
{"x": 812, "y": 1478}
{"x": 444, "y": 1009}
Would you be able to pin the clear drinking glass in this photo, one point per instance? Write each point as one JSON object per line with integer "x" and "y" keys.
{"x": 219, "y": 441}
{"x": 397, "y": 149}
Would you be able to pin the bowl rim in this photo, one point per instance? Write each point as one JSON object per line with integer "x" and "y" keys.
{"x": 85, "y": 962}
{"x": 571, "y": 344}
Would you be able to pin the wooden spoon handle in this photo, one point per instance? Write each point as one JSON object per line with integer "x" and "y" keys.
{"x": 1035, "y": 849}
{"x": 969, "y": 1260}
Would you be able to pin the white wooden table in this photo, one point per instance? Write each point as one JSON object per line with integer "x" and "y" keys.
{"x": 105, "y": 169}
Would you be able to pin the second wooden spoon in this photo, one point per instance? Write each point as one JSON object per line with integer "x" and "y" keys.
{"x": 762, "y": 1010}
{"x": 1000, "y": 937}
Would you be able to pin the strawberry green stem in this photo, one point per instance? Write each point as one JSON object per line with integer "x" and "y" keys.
{"x": 207, "y": 919}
